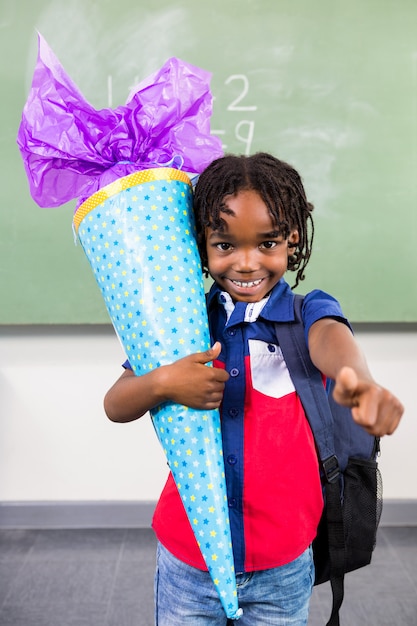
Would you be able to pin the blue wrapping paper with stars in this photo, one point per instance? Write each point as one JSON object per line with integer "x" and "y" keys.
{"x": 126, "y": 168}
{"x": 139, "y": 237}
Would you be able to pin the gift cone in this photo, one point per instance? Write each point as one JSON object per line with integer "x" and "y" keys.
{"x": 137, "y": 231}
{"x": 139, "y": 236}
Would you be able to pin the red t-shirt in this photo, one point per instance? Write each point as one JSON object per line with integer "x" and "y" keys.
{"x": 281, "y": 500}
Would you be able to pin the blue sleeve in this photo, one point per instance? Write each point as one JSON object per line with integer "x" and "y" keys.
{"x": 317, "y": 305}
{"x": 127, "y": 365}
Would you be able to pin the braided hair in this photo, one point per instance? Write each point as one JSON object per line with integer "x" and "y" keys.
{"x": 281, "y": 189}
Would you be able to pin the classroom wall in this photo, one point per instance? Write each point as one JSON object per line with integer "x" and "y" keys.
{"x": 57, "y": 445}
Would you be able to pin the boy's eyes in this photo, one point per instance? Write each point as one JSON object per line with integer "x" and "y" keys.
{"x": 225, "y": 246}
{"x": 268, "y": 245}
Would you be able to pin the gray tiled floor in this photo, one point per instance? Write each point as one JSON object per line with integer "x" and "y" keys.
{"x": 105, "y": 578}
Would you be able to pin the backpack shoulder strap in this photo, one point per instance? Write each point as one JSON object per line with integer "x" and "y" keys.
{"x": 309, "y": 385}
{"x": 310, "y": 388}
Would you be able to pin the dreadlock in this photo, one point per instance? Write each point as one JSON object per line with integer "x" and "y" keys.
{"x": 280, "y": 188}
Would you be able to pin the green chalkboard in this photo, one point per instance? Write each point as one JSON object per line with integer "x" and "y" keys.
{"x": 328, "y": 85}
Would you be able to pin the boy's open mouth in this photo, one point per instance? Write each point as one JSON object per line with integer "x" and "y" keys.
{"x": 246, "y": 284}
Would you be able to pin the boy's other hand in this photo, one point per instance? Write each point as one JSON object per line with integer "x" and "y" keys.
{"x": 373, "y": 407}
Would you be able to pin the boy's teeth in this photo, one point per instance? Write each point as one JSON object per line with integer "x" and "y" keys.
{"x": 249, "y": 283}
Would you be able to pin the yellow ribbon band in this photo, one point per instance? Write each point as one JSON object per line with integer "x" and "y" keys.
{"x": 126, "y": 182}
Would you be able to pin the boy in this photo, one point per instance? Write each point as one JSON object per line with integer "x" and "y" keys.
{"x": 253, "y": 224}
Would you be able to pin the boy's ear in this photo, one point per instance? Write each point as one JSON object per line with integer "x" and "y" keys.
{"x": 293, "y": 239}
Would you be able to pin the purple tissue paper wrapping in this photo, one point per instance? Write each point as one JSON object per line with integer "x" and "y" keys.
{"x": 70, "y": 150}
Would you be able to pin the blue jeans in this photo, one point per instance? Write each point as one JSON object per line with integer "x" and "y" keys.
{"x": 185, "y": 595}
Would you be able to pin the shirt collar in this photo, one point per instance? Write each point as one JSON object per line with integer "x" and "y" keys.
{"x": 241, "y": 311}
{"x": 279, "y": 305}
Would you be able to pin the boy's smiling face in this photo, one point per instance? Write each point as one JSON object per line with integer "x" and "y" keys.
{"x": 248, "y": 256}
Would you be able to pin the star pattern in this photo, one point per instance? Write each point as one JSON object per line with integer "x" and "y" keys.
{"x": 141, "y": 245}
{"x": 139, "y": 237}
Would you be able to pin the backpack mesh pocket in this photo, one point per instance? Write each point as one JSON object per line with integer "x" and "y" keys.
{"x": 362, "y": 508}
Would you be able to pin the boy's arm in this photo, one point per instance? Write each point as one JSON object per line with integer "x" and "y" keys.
{"x": 335, "y": 352}
{"x": 188, "y": 381}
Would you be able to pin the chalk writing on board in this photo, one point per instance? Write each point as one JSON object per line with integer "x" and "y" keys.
{"x": 244, "y": 129}
{"x": 235, "y": 105}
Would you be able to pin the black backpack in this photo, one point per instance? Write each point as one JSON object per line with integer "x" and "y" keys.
{"x": 351, "y": 481}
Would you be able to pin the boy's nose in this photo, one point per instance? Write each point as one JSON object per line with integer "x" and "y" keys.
{"x": 246, "y": 261}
